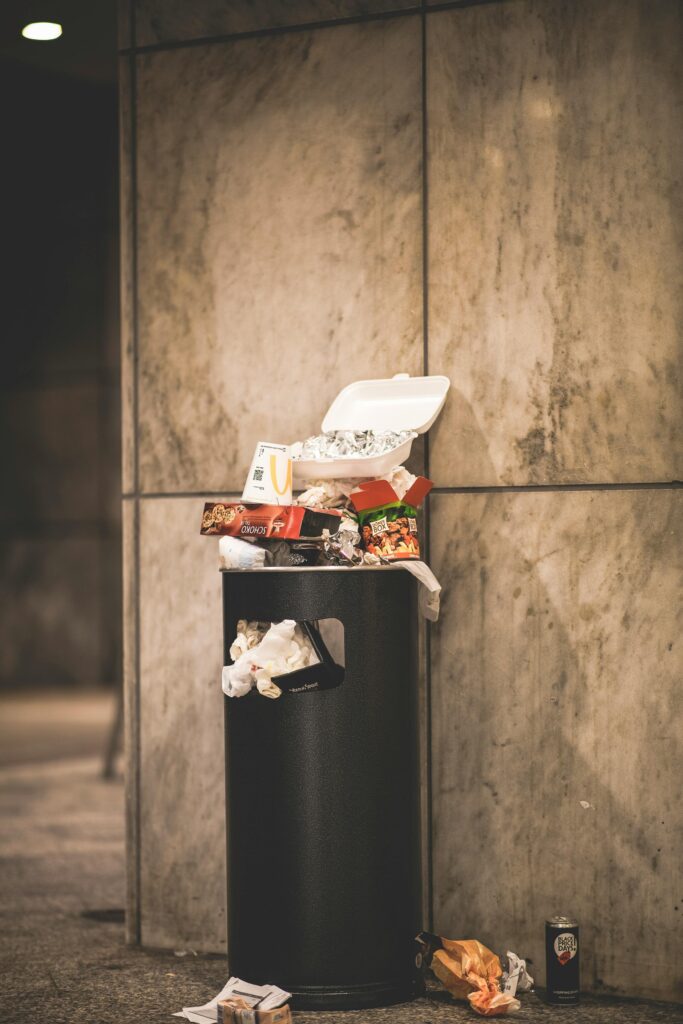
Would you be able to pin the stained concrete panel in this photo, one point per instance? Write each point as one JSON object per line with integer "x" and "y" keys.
{"x": 181, "y": 763}
{"x": 555, "y": 240}
{"x": 279, "y": 229}
{"x": 131, "y": 707}
{"x": 556, "y": 718}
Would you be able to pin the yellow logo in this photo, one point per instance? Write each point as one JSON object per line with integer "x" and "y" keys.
{"x": 288, "y": 477}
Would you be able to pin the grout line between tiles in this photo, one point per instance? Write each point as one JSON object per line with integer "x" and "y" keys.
{"x": 427, "y": 517}
{"x": 489, "y": 489}
{"x": 456, "y": 5}
{"x": 274, "y": 30}
{"x": 308, "y": 26}
{"x": 156, "y": 495}
{"x": 136, "y": 930}
{"x": 552, "y": 488}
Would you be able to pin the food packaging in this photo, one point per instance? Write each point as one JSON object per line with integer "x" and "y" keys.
{"x": 270, "y": 475}
{"x": 469, "y": 970}
{"x": 286, "y": 522}
{"x": 388, "y": 524}
{"x": 399, "y": 403}
{"x": 238, "y": 1011}
{"x": 516, "y": 978}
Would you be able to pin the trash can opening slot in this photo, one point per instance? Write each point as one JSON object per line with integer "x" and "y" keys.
{"x": 286, "y": 657}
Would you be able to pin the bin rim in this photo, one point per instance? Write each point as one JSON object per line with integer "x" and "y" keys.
{"x": 315, "y": 568}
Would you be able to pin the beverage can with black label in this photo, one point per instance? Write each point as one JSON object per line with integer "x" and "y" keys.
{"x": 562, "y": 960}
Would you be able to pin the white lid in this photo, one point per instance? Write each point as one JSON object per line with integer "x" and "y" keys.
{"x": 393, "y": 403}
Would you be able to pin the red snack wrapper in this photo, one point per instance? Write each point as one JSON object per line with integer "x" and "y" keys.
{"x": 288, "y": 522}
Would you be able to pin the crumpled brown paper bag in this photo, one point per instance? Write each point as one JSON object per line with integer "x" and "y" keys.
{"x": 470, "y": 971}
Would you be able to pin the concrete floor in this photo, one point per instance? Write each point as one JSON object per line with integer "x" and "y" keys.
{"x": 63, "y": 958}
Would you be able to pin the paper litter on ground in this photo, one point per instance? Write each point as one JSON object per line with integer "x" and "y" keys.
{"x": 265, "y": 997}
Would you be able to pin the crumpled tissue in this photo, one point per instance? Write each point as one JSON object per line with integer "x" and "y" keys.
{"x": 331, "y": 493}
{"x": 516, "y": 978}
{"x": 282, "y": 648}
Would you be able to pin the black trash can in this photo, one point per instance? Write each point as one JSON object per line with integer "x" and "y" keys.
{"x": 323, "y": 821}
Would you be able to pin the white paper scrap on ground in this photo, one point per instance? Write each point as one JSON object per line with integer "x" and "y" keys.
{"x": 518, "y": 978}
{"x": 265, "y": 997}
{"x": 430, "y": 589}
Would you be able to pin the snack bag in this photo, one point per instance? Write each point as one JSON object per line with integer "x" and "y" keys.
{"x": 388, "y": 523}
{"x": 469, "y": 970}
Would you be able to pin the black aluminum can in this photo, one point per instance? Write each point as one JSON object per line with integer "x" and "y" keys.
{"x": 562, "y": 960}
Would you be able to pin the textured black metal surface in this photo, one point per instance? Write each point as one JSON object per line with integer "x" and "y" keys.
{"x": 323, "y": 798}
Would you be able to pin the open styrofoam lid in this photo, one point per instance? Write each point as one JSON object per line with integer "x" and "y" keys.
{"x": 394, "y": 403}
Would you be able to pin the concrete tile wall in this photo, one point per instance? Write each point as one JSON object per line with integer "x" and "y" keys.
{"x": 291, "y": 168}
{"x": 555, "y": 218}
{"x": 181, "y": 751}
{"x": 557, "y": 724}
{"x": 276, "y": 212}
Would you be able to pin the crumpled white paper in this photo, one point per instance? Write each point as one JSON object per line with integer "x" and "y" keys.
{"x": 329, "y": 493}
{"x": 429, "y": 594}
{"x": 265, "y": 997}
{"x": 249, "y": 635}
{"x": 517, "y": 978}
{"x": 282, "y": 648}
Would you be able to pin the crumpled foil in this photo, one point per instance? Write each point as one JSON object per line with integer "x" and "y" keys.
{"x": 343, "y": 444}
{"x": 343, "y": 547}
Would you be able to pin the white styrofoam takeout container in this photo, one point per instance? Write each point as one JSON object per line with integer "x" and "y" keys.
{"x": 394, "y": 403}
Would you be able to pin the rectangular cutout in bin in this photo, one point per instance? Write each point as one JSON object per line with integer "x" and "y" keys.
{"x": 326, "y": 666}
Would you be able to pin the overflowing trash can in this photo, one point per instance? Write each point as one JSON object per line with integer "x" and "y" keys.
{"x": 322, "y": 784}
{"x": 323, "y": 584}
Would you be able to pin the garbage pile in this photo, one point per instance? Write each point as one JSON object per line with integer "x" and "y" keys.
{"x": 341, "y": 498}
{"x": 332, "y": 522}
{"x": 467, "y": 969}
{"x": 471, "y": 971}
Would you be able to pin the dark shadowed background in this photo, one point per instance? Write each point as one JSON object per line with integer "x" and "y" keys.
{"x": 59, "y": 385}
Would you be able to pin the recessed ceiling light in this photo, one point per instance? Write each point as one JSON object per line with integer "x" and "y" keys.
{"x": 42, "y": 30}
